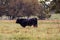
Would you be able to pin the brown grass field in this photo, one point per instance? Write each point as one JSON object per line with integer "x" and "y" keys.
{"x": 46, "y": 30}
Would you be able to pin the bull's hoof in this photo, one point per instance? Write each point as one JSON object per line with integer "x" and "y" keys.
{"x": 35, "y": 26}
{"x": 23, "y": 26}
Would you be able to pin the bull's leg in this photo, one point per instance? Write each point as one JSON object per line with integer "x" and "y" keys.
{"x": 35, "y": 26}
{"x": 23, "y": 26}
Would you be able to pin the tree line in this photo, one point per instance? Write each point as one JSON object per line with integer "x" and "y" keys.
{"x": 20, "y": 8}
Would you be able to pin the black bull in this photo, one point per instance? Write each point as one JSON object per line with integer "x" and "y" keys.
{"x": 27, "y": 22}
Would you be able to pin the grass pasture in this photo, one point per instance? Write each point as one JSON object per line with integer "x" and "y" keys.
{"x": 46, "y": 30}
{"x": 55, "y": 16}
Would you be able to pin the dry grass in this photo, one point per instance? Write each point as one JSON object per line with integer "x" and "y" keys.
{"x": 46, "y": 30}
